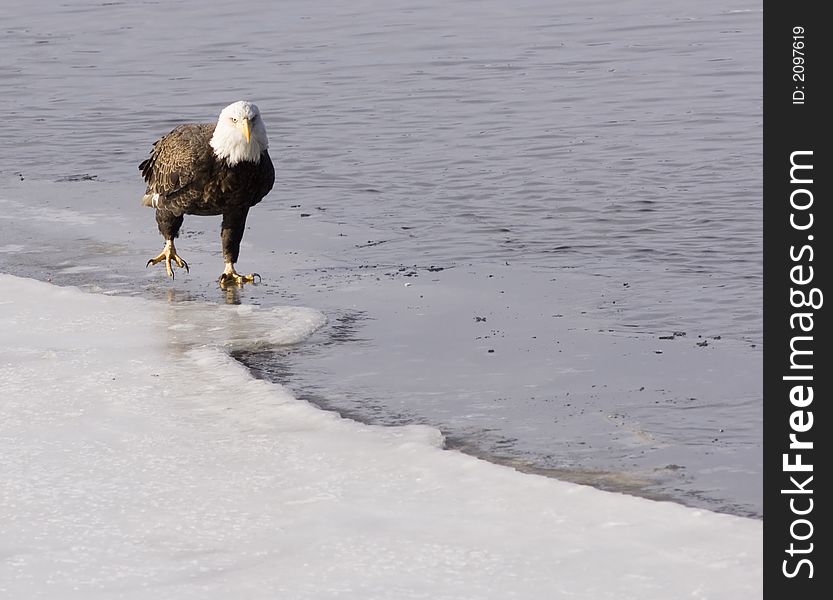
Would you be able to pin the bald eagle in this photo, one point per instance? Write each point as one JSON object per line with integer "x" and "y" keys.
{"x": 209, "y": 169}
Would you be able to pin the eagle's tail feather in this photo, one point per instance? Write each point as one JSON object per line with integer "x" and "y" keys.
{"x": 152, "y": 200}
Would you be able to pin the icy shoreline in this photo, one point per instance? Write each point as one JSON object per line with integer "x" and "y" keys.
{"x": 140, "y": 461}
{"x": 520, "y": 367}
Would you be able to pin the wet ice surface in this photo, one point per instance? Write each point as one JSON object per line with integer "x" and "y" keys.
{"x": 140, "y": 461}
{"x": 520, "y": 366}
{"x": 609, "y": 153}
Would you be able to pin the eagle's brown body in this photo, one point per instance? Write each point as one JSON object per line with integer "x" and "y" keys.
{"x": 190, "y": 180}
{"x": 185, "y": 177}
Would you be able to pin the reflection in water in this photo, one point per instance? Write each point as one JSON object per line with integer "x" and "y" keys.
{"x": 232, "y": 294}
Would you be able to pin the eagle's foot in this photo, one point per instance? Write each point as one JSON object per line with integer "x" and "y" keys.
{"x": 231, "y": 277}
{"x": 169, "y": 255}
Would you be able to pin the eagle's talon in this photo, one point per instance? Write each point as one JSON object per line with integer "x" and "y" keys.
{"x": 231, "y": 277}
{"x": 168, "y": 255}
{"x": 181, "y": 263}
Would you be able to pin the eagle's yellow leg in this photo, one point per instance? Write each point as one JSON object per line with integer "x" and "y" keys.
{"x": 231, "y": 277}
{"x": 169, "y": 254}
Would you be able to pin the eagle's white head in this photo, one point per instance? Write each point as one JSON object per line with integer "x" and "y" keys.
{"x": 240, "y": 134}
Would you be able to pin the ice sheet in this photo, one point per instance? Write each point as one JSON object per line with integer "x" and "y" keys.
{"x": 139, "y": 460}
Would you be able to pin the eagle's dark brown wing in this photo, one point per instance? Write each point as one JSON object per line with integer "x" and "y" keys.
{"x": 180, "y": 165}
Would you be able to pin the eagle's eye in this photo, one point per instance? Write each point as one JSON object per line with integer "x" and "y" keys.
{"x": 234, "y": 119}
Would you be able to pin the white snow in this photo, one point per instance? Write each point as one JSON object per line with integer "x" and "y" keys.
{"x": 138, "y": 460}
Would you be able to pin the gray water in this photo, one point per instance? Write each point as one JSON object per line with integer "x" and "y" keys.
{"x": 607, "y": 153}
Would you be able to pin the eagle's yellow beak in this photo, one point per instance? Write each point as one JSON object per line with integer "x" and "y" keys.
{"x": 246, "y": 129}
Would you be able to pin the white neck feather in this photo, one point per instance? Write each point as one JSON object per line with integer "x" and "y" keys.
{"x": 230, "y": 144}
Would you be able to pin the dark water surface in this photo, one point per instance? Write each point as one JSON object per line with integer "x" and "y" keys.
{"x": 523, "y": 143}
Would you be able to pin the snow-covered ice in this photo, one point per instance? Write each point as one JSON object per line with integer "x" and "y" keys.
{"x": 139, "y": 460}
